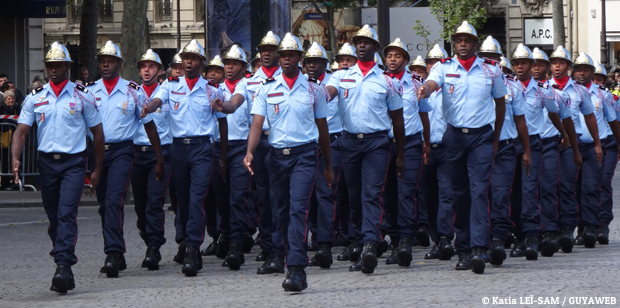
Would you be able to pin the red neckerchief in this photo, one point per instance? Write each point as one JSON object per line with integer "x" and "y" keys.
{"x": 149, "y": 89}
{"x": 231, "y": 84}
{"x": 191, "y": 82}
{"x": 290, "y": 81}
{"x": 365, "y": 66}
{"x": 587, "y": 85}
{"x": 400, "y": 75}
{"x": 467, "y": 63}
{"x": 562, "y": 81}
{"x": 270, "y": 71}
{"x": 110, "y": 84}
{"x": 58, "y": 87}
{"x": 526, "y": 83}
{"x": 322, "y": 77}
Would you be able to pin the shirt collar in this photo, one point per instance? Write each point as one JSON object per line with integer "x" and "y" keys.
{"x": 375, "y": 69}
{"x": 302, "y": 81}
{"x": 533, "y": 83}
{"x": 260, "y": 73}
{"x": 69, "y": 88}
{"x": 407, "y": 78}
{"x": 121, "y": 85}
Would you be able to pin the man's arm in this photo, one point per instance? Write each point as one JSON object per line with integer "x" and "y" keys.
{"x": 525, "y": 141}
{"x": 398, "y": 125}
{"x": 229, "y": 106}
{"x": 150, "y": 107}
{"x": 426, "y": 126}
{"x": 425, "y": 90}
{"x": 557, "y": 123}
{"x": 223, "y": 126}
{"x": 253, "y": 138}
{"x": 17, "y": 145}
{"x": 333, "y": 92}
{"x": 615, "y": 129}
{"x": 326, "y": 149}
{"x": 590, "y": 120}
{"x": 99, "y": 145}
{"x": 151, "y": 132}
{"x": 569, "y": 125}
{"x": 500, "y": 113}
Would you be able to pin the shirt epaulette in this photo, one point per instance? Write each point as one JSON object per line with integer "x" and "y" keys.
{"x": 444, "y": 60}
{"x": 134, "y": 85}
{"x": 249, "y": 75}
{"x": 37, "y": 90}
{"x": 344, "y": 69}
{"x": 81, "y": 88}
{"x": 543, "y": 85}
{"x": 213, "y": 84}
{"x": 310, "y": 79}
{"x": 92, "y": 83}
{"x": 489, "y": 61}
{"x": 173, "y": 79}
{"x": 555, "y": 86}
{"x": 602, "y": 87}
{"x": 268, "y": 80}
{"x": 511, "y": 77}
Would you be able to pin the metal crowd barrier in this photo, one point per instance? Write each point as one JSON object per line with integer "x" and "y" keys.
{"x": 29, "y": 168}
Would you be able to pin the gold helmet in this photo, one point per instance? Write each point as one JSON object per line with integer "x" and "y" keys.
{"x": 110, "y": 49}
{"x": 397, "y": 44}
{"x": 334, "y": 66}
{"x": 328, "y": 68}
{"x": 540, "y": 55}
{"x": 505, "y": 63}
{"x": 584, "y": 59}
{"x": 269, "y": 40}
{"x": 176, "y": 59}
{"x": 466, "y": 28}
{"x": 600, "y": 70}
{"x": 216, "y": 61}
{"x": 347, "y": 50}
{"x": 522, "y": 52}
{"x": 235, "y": 53}
{"x": 256, "y": 58}
{"x": 561, "y": 53}
{"x": 193, "y": 47}
{"x": 379, "y": 61}
{"x": 418, "y": 61}
{"x": 290, "y": 42}
{"x": 368, "y": 32}
{"x": 437, "y": 52}
{"x": 316, "y": 51}
{"x": 491, "y": 45}
{"x": 150, "y": 55}
{"x": 57, "y": 53}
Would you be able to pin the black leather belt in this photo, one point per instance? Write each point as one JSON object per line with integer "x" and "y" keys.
{"x": 57, "y": 156}
{"x": 436, "y": 145}
{"x": 295, "y": 150}
{"x": 408, "y": 138}
{"x": 191, "y": 140}
{"x": 365, "y": 136}
{"x": 465, "y": 130}
{"x": 117, "y": 145}
{"x": 333, "y": 137}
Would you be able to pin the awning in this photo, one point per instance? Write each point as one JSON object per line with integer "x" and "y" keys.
{"x": 33, "y": 9}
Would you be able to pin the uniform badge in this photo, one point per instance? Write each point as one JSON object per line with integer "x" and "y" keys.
{"x": 451, "y": 89}
{"x": 346, "y": 93}
{"x": 596, "y": 106}
{"x": 42, "y": 117}
{"x": 176, "y": 106}
{"x": 276, "y": 109}
{"x": 72, "y": 108}
{"x": 158, "y": 110}
{"x": 124, "y": 107}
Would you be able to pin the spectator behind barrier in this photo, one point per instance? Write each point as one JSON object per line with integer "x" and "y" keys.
{"x": 6, "y": 132}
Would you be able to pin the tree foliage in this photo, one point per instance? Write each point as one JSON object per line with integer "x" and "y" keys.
{"x": 451, "y": 13}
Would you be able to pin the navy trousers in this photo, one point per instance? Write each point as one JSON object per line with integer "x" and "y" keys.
{"x": 233, "y": 195}
{"x": 389, "y": 198}
{"x": 62, "y": 180}
{"x": 113, "y": 182}
{"x": 408, "y": 187}
{"x": 502, "y": 176}
{"x": 469, "y": 154}
{"x": 365, "y": 162}
{"x": 211, "y": 221}
{"x": 262, "y": 194}
{"x": 292, "y": 178}
{"x": 149, "y": 195}
{"x": 436, "y": 194}
{"x": 192, "y": 165}
{"x": 549, "y": 178}
{"x": 567, "y": 189}
{"x": 611, "y": 161}
{"x": 524, "y": 197}
{"x": 589, "y": 186}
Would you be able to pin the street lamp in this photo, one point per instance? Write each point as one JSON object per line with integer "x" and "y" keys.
{"x": 604, "y": 45}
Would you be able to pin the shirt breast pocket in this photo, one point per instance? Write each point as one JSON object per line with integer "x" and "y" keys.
{"x": 275, "y": 108}
{"x": 200, "y": 106}
{"x": 376, "y": 96}
{"x": 126, "y": 109}
{"x": 348, "y": 90}
{"x": 453, "y": 86}
{"x": 483, "y": 86}
{"x": 72, "y": 113}
{"x": 42, "y": 112}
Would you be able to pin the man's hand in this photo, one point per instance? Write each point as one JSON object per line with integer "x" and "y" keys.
{"x": 495, "y": 143}
{"x": 247, "y": 162}
{"x": 527, "y": 162}
{"x": 223, "y": 170}
{"x": 329, "y": 177}
{"x": 577, "y": 159}
{"x": 565, "y": 143}
{"x": 16, "y": 165}
{"x": 217, "y": 104}
{"x": 421, "y": 92}
{"x": 145, "y": 111}
{"x": 94, "y": 181}
{"x": 400, "y": 166}
{"x": 426, "y": 149}
{"x": 618, "y": 158}
{"x": 599, "y": 154}
{"x": 160, "y": 169}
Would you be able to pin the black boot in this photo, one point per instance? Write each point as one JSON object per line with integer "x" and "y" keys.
{"x": 498, "y": 252}
{"x": 549, "y": 245}
{"x": 357, "y": 266}
{"x": 323, "y": 255}
{"x": 393, "y": 258}
{"x": 223, "y": 244}
{"x": 180, "y": 256}
{"x": 531, "y": 248}
{"x": 235, "y": 257}
{"x": 579, "y": 239}
{"x": 567, "y": 241}
{"x": 151, "y": 259}
{"x": 248, "y": 243}
{"x": 589, "y": 236}
{"x": 445, "y": 249}
{"x": 369, "y": 259}
{"x": 313, "y": 262}
{"x": 603, "y": 234}
{"x": 433, "y": 254}
{"x": 275, "y": 264}
{"x": 423, "y": 236}
{"x": 209, "y": 251}
{"x": 345, "y": 255}
{"x": 510, "y": 239}
{"x": 193, "y": 261}
{"x": 477, "y": 260}
{"x": 295, "y": 279}
{"x": 518, "y": 250}
{"x": 356, "y": 251}
{"x": 114, "y": 263}
{"x": 463, "y": 264}
{"x": 63, "y": 279}
{"x": 382, "y": 248}
{"x": 404, "y": 252}
{"x": 262, "y": 256}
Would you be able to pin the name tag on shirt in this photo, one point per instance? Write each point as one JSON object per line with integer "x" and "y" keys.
{"x": 180, "y": 93}
{"x": 347, "y": 80}
{"x": 275, "y": 94}
{"x": 453, "y": 75}
{"x": 42, "y": 104}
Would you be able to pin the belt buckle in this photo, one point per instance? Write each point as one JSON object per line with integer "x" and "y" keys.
{"x": 465, "y": 130}
{"x": 56, "y": 156}
{"x": 266, "y": 132}
{"x": 434, "y": 145}
{"x": 106, "y": 147}
{"x": 394, "y": 140}
{"x": 360, "y": 136}
{"x": 286, "y": 151}
{"x": 144, "y": 148}
{"x": 187, "y": 140}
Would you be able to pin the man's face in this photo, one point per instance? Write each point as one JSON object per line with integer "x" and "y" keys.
{"x": 177, "y": 70}
{"x": 288, "y": 61}
{"x": 420, "y": 70}
{"x": 492, "y": 56}
{"x": 583, "y": 73}
{"x": 539, "y": 70}
{"x": 149, "y": 71}
{"x": 395, "y": 61}
{"x": 11, "y": 86}
{"x": 109, "y": 67}
{"x": 84, "y": 74}
{"x": 315, "y": 67}
{"x": 599, "y": 79}
{"x": 256, "y": 65}
{"x": 559, "y": 68}
{"x": 522, "y": 68}
{"x": 346, "y": 61}
{"x": 464, "y": 45}
{"x": 365, "y": 48}
{"x": 215, "y": 74}
{"x": 233, "y": 69}
{"x": 57, "y": 71}
{"x": 192, "y": 64}
{"x": 3, "y": 80}
{"x": 268, "y": 56}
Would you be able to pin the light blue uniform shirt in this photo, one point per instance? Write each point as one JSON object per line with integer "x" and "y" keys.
{"x": 468, "y": 95}
{"x": 515, "y": 106}
{"x": 603, "y": 111}
{"x": 579, "y": 101}
{"x": 615, "y": 107}
{"x": 120, "y": 110}
{"x": 411, "y": 107}
{"x": 191, "y": 114}
{"x": 60, "y": 130}
{"x": 248, "y": 86}
{"x": 561, "y": 98}
{"x": 333, "y": 119}
{"x": 238, "y": 125}
{"x": 435, "y": 117}
{"x": 539, "y": 96}
{"x": 364, "y": 102}
{"x": 291, "y": 113}
{"x": 161, "y": 121}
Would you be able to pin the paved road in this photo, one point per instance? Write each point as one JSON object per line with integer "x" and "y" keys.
{"x": 26, "y": 270}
